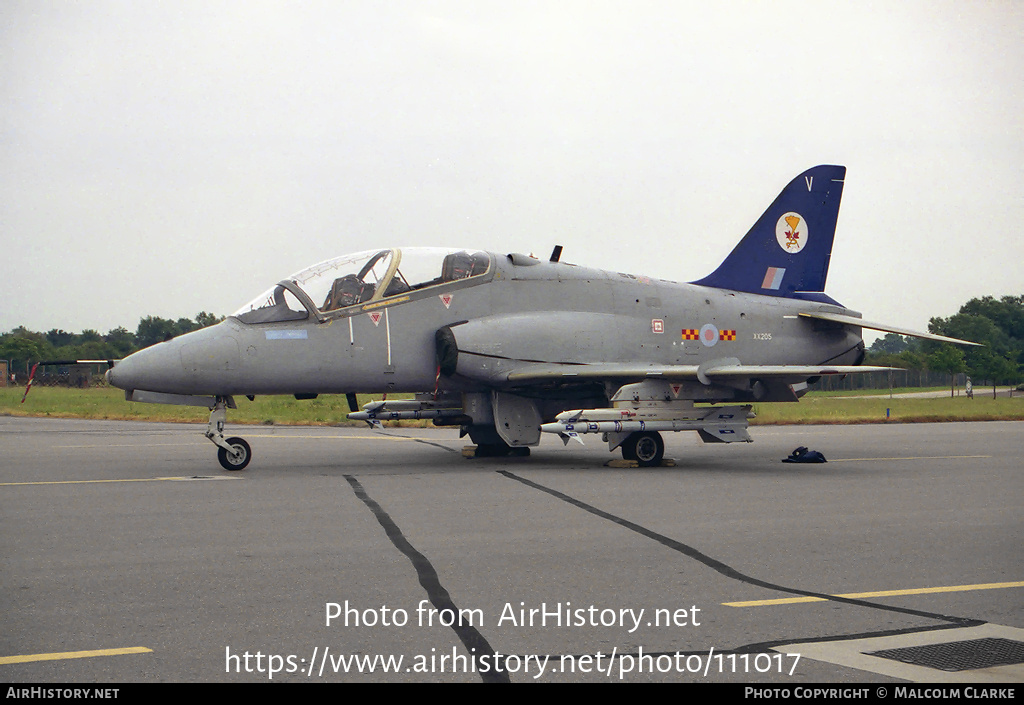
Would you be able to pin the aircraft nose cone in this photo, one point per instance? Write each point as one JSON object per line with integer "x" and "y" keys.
{"x": 157, "y": 368}
{"x": 123, "y": 374}
{"x": 206, "y": 361}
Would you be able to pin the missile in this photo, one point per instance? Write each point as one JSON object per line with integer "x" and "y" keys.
{"x": 586, "y": 426}
{"x": 388, "y": 415}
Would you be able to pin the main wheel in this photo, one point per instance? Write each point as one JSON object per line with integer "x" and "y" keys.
{"x": 499, "y": 450}
{"x": 646, "y": 448}
{"x": 241, "y": 457}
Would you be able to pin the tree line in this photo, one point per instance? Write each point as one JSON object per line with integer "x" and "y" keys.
{"x": 998, "y": 324}
{"x": 24, "y": 347}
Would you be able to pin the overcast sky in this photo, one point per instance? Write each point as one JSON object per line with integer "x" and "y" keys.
{"x": 166, "y": 158}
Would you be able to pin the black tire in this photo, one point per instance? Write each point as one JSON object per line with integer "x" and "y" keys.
{"x": 235, "y": 462}
{"x": 646, "y": 448}
{"x": 493, "y": 450}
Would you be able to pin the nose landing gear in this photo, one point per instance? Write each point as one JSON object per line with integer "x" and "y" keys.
{"x": 238, "y": 458}
{"x": 233, "y": 453}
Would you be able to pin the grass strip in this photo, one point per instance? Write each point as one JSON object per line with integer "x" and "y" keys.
{"x": 331, "y": 409}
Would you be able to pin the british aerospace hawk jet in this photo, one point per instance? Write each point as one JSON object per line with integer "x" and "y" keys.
{"x": 508, "y": 347}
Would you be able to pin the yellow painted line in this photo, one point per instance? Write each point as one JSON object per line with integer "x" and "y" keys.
{"x": 879, "y": 593}
{"x": 61, "y": 655}
{"x": 912, "y": 457}
{"x": 331, "y": 438}
{"x": 128, "y": 445}
{"x": 138, "y": 479}
{"x": 247, "y": 435}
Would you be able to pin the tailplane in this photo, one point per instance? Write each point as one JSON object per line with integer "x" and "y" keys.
{"x": 787, "y": 251}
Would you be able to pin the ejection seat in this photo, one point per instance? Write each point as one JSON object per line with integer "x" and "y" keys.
{"x": 347, "y": 290}
{"x": 460, "y": 265}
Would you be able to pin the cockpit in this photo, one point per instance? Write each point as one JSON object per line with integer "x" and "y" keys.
{"x": 333, "y": 287}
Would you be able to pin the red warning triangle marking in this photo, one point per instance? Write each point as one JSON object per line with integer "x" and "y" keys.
{"x": 375, "y": 317}
{"x": 446, "y": 299}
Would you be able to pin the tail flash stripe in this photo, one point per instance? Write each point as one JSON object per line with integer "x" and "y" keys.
{"x": 773, "y": 278}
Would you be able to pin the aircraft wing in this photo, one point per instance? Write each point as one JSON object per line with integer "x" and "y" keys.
{"x": 853, "y": 321}
{"x": 724, "y": 369}
{"x": 791, "y": 370}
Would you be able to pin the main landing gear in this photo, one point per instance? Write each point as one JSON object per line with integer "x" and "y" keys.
{"x": 233, "y": 453}
{"x": 637, "y": 414}
{"x": 646, "y": 448}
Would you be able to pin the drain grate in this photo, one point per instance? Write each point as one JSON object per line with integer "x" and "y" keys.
{"x": 959, "y": 655}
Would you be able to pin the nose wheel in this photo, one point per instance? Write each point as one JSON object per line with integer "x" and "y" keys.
{"x": 233, "y": 453}
{"x": 236, "y": 459}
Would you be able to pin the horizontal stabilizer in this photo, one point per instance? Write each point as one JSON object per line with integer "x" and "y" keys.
{"x": 854, "y": 321}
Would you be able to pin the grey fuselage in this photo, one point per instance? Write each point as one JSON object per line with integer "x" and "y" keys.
{"x": 522, "y": 314}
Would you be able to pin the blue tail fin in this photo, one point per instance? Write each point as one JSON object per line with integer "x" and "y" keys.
{"x": 787, "y": 251}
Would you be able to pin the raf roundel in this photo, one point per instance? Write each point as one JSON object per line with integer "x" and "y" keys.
{"x": 708, "y": 335}
{"x": 791, "y": 232}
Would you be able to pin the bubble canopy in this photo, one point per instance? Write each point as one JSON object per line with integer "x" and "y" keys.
{"x": 345, "y": 284}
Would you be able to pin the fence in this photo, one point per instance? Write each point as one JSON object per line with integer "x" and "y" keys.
{"x": 885, "y": 380}
{"x": 66, "y": 375}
